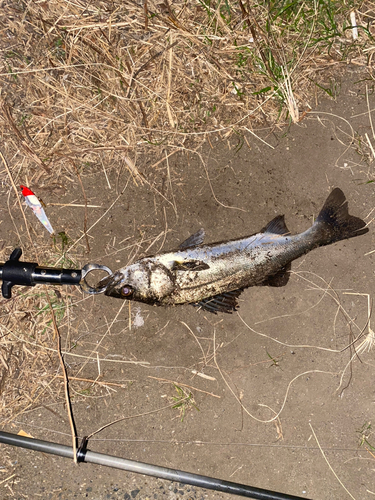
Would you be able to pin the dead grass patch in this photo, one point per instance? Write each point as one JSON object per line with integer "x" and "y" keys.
{"x": 108, "y": 80}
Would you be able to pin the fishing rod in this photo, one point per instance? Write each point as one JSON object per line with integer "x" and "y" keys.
{"x": 87, "y": 456}
{"x": 15, "y": 272}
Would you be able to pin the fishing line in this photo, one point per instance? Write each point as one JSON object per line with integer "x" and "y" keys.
{"x": 200, "y": 443}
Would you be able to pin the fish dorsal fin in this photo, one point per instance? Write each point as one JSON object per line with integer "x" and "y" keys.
{"x": 224, "y": 302}
{"x": 194, "y": 240}
{"x": 276, "y": 226}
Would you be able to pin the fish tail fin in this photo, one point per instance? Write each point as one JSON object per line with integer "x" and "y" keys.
{"x": 334, "y": 223}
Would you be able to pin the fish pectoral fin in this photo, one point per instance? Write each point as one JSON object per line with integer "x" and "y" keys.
{"x": 281, "y": 278}
{"x": 276, "y": 226}
{"x": 224, "y": 302}
{"x": 189, "y": 265}
{"x": 194, "y": 240}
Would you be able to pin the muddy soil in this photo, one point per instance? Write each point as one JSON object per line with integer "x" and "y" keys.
{"x": 274, "y": 401}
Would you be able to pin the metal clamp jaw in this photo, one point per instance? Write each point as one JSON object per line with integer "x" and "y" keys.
{"x": 85, "y": 287}
{"x": 13, "y": 272}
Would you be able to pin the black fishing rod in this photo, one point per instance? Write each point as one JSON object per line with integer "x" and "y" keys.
{"x": 84, "y": 455}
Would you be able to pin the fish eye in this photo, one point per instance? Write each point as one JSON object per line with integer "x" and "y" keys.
{"x": 126, "y": 291}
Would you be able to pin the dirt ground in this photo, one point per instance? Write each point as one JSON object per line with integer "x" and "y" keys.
{"x": 304, "y": 426}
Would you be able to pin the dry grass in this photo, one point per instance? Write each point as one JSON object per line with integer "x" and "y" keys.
{"x": 102, "y": 83}
{"x": 24, "y": 371}
{"x": 111, "y": 79}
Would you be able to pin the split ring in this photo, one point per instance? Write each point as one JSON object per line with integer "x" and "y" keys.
{"x": 88, "y": 268}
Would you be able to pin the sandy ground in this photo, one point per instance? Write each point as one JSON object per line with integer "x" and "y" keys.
{"x": 298, "y": 430}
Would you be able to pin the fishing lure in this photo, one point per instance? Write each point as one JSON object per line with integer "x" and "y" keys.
{"x": 35, "y": 205}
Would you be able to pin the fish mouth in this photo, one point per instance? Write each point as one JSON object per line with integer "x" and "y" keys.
{"x": 108, "y": 284}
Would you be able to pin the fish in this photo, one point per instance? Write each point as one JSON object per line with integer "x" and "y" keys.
{"x": 214, "y": 275}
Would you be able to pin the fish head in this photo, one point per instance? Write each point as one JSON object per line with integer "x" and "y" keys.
{"x": 144, "y": 281}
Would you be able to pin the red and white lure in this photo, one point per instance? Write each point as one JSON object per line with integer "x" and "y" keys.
{"x": 35, "y": 205}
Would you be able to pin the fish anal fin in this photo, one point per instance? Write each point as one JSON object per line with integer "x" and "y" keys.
{"x": 194, "y": 240}
{"x": 276, "y": 226}
{"x": 281, "y": 278}
{"x": 224, "y": 302}
{"x": 189, "y": 265}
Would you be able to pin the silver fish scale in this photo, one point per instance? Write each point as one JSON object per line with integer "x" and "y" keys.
{"x": 234, "y": 265}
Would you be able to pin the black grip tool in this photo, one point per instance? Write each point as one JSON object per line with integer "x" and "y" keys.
{"x": 15, "y": 272}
